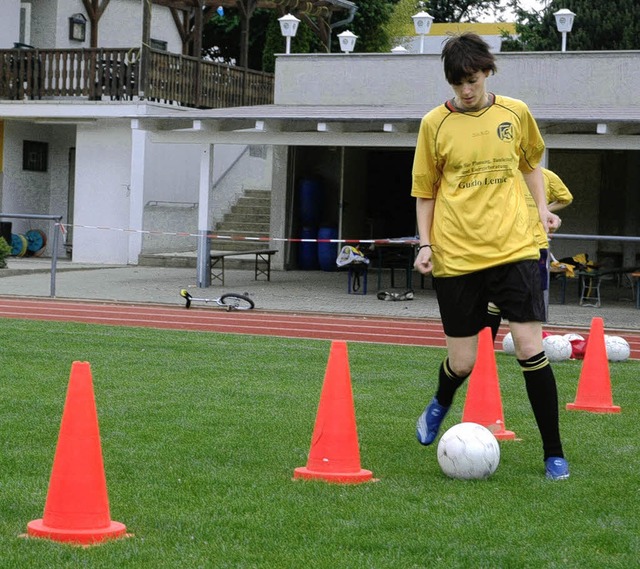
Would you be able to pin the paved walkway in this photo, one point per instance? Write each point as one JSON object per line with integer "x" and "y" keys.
{"x": 288, "y": 291}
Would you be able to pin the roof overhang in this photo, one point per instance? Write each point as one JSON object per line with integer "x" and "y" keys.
{"x": 311, "y": 125}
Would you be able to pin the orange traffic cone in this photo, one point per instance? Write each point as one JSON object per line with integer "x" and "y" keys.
{"x": 334, "y": 454}
{"x": 483, "y": 404}
{"x": 594, "y": 385}
{"x": 77, "y": 507}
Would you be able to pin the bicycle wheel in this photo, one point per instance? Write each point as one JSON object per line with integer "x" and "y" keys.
{"x": 235, "y": 301}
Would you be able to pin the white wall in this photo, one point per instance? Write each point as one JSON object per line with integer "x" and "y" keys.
{"x": 119, "y": 26}
{"x": 44, "y": 24}
{"x": 571, "y": 79}
{"x": 103, "y": 177}
{"x": 9, "y": 23}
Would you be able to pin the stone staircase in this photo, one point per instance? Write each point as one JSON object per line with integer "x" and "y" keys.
{"x": 250, "y": 216}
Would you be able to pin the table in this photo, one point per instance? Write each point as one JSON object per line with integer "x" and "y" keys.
{"x": 262, "y": 265}
{"x": 590, "y": 281}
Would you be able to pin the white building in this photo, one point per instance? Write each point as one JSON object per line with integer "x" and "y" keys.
{"x": 349, "y": 121}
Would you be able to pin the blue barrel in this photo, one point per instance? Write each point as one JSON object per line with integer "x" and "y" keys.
{"x": 327, "y": 252}
{"x": 310, "y": 198}
{"x": 308, "y": 251}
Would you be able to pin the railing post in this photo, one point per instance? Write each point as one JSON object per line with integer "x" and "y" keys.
{"x": 146, "y": 39}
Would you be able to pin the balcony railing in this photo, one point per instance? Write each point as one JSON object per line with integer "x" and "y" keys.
{"x": 116, "y": 74}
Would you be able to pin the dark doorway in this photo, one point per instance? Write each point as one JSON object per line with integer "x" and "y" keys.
{"x": 390, "y": 207}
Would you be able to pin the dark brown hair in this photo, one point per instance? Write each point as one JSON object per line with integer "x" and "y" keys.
{"x": 464, "y": 55}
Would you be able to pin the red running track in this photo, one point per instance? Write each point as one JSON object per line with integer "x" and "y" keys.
{"x": 375, "y": 329}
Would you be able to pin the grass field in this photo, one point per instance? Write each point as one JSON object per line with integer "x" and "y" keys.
{"x": 201, "y": 434}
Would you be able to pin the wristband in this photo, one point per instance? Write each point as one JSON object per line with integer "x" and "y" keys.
{"x": 423, "y": 246}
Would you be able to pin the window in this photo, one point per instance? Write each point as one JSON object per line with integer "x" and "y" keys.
{"x": 34, "y": 156}
{"x": 158, "y": 44}
{"x": 258, "y": 151}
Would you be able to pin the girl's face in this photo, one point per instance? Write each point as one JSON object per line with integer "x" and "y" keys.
{"x": 470, "y": 92}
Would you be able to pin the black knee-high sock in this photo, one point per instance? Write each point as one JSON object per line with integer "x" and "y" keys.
{"x": 448, "y": 383}
{"x": 493, "y": 320}
{"x": 543, "y": 396}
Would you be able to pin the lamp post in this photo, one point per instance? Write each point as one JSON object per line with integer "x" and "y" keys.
{"x": 347, "y": 41}
{"x": 288, "y": 27}
{"x": 422, "y": 22}
{"x": 564, "y": 23}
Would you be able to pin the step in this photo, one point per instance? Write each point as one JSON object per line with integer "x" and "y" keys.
{"x": 258, "y": 193}
{"x": 244, "y": 227}
{"x": 261, "y": 202}
{"x": 241, "y": 218}
{"x": 250, "y": 210}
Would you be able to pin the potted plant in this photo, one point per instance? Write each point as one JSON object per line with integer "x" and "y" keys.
{"x": 5, "y": 251}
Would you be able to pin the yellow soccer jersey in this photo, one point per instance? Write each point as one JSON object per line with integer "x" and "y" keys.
{"x": 555, "y": 188}
{"x": 469, "y": 162}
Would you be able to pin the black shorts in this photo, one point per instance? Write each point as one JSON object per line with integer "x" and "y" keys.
{"x": 514, "y": 288}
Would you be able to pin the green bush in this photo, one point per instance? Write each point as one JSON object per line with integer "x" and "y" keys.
{"x": 5, "y": 251}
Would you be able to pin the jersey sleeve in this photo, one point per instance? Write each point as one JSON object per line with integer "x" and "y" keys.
{"x": 555, "y": 188}
{"x": 425, "y": 174}
{"x": 532, "y": 143}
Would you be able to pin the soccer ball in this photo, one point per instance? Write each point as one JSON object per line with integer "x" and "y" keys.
{"x": 574, "y": 337}
{"x": 617, "y": 347}
{"x": 557, "y": 347}
{"x": 468, "y": 451}
{"x": 507, "y": 344}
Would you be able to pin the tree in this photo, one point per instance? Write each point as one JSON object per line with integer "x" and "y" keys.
{"x": 304, "y": 42}
{"x": 221, "y": 37}
{"x": 442, "y": 11}
{"x": 602, "y": 25}
{"x": 368, "y": 24}
{"x": 461, "y": 10}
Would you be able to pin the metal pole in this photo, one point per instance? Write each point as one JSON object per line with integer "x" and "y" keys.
{"x": 54, "y": 259}
{"x": 203, "y": 259}
{"x": 564, "y": 41}
{"x": 341, "y": 204}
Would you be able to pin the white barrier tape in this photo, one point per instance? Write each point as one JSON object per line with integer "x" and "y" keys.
{"x": 217, "y": 237}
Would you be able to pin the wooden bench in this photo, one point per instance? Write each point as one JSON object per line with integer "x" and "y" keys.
{"x": 262, "y": 266}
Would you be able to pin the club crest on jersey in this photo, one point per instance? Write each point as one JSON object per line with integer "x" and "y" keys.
{"x": 505, "y": 132}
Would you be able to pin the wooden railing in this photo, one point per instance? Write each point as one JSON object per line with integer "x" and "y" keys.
{"x": 205, "y": 84}
{"x": 116, "y": 74}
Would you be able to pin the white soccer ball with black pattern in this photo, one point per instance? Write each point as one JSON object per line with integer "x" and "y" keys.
{"x": 468, "y": 451}
{"x": 508, "y": 346}
{"x": 617, "y": 347}
{"x": 574, "y": 337}
{"x": 557, "y": 347}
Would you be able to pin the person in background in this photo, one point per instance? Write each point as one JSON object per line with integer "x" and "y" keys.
{"x": 475, "y": 236}
{"x": 558, "y": 197}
